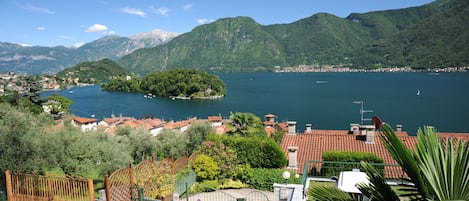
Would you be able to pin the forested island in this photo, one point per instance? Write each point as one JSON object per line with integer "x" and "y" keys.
{"x": 176, "y": 83}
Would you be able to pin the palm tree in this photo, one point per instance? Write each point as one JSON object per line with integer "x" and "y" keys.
{"x": 438, "y": 169}
{"x": 246, "y": 123}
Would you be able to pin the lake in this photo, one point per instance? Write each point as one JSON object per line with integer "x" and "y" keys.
{"x": 326, "y": 100}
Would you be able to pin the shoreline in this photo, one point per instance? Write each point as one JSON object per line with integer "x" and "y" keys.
{"x": 332, "y": 69}
{"x": 200, "y": 98}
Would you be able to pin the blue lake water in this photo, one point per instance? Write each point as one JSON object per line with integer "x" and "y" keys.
{"x": 323, "y": 99}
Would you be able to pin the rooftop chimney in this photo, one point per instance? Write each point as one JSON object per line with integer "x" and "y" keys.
{"x": 355, "y": 129}
{"x": 369, "y": 131}
{"x": 291, "y": 127}
{"x": 292, "y": 157}
{"x": 398, "y": 128}
{"x": 308, "y": 128}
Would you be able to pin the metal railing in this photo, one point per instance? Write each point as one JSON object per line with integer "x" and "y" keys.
{"x": 183, "y": 184}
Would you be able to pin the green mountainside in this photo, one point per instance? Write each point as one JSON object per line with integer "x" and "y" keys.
{"x": 441, "y": 40}
{"x": 93, "y": 72}
{"x": 227, "y": 44}
{"x": 433, "y": 35}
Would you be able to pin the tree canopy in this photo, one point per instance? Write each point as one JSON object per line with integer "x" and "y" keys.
{"x": 185, "y": 83}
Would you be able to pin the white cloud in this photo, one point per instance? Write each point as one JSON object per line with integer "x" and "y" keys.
{"x": 187, "y": 7}
{"x": 133, "y": 11}
{"x": 34, "y": 8}
{"x": 40, "y": 28}
{"x": 96, "y": 28}
{"x": 204, "y": 21}
{"x": 160, "y": 11}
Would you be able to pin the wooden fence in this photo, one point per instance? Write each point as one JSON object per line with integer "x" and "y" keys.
{"x": 25, "y": 187}
{"x": 154, "y": 177}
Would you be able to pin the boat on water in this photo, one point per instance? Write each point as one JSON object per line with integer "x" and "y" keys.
{"x": 322, "y": 81}
{"x": 434, "y": 72}
{"x": 418, "y": 92}
{"x": 70, "y": 92}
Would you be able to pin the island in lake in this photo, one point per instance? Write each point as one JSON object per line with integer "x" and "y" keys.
{"x": 176, "y": 84}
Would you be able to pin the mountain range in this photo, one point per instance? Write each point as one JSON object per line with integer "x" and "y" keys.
{"x": 40, "y": 59}
{"x": 428, "y": 36}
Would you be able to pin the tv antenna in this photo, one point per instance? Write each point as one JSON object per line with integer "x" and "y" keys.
{"x": 362, "y": 112}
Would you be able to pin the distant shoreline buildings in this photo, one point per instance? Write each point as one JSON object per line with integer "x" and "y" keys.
{"x": 13, "y": 81}
{"x": 341, "y": 69}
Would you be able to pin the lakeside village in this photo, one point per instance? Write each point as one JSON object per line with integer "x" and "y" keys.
{"x": 302, "y": 146}
{"x": 16, "y": 82}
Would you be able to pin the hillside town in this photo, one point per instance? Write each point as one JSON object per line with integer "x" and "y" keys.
{"x": 17, "y": 82}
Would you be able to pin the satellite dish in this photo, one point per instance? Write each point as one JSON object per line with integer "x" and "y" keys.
{"x": 376, "y": 121}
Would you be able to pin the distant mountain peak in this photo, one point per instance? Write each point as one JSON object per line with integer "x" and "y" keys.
{"x": 156, "y": 33}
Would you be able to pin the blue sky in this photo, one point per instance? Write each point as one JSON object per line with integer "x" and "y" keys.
{"x": 68, "y": 23}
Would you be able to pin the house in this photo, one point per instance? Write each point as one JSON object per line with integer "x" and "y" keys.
{"x": 215, "y": 120}
{"x": 312, "y": 143}
{"x": 270, "y": 124}
{"x": 114, "y": 121}
{"x": 179, "y": 125}
{"x": 217, "y": 124}
{"x": 85, "y": 124}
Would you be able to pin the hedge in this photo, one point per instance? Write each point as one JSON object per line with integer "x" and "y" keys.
{"x": 336, "y": 162}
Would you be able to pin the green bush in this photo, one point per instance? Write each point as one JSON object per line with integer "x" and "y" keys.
{"x": 258, "y": 152}
{"x": 263, "y": 179}
{"x": 336, "y": 162}
{"x": 205, "y": 168}
{"x": 223, "y": 155}
{"x": 232, "y": 184}
{"x": 244, "y": 172}
{"x": 204, "y": 186}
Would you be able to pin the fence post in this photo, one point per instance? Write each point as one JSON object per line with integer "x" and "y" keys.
{"x": 8, "y": 183}
{"x": 107, "y": 189}
{"x": 187, "y": 192}
{"x": 91, "y": 189}
{"x": 131, "y": 176}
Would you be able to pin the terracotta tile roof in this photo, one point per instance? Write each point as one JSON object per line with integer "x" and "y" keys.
{"x": 283, "y": 126}
{"x": 114, "y": 120}
{"x": 312, "y": 145}
{"x": 344, "y": 132}
{"x": 84, "y": 120}
{"x": 179, "y": 124}
{"x": 328, "y": 132}
{"x": 131, "y": 124}
{"x": 269, "y": 130}
{"x": 110, "y": 120}
{"x": 462, "y": 136}
{"x": 215, "y": 118}
{"x": 150, "y": 123}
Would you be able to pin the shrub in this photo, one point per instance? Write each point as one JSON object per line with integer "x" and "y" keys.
{"x": 204, "y": 186}
{"x": 232, "y": 184}
{"x": 263, "y": 179}
{"x": 224, "y": 156}
{"x": 338, "y": 159}
{"x": 258, "y": 152}
{"x": 244, "y": 172}
{"x": 205, "y": 168}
